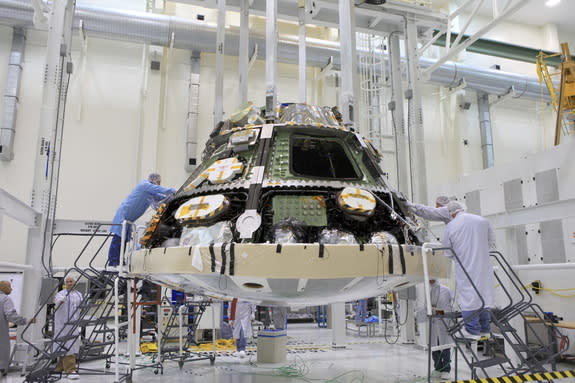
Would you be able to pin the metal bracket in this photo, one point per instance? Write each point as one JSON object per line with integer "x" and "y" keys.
{"x": 504, "y": 97}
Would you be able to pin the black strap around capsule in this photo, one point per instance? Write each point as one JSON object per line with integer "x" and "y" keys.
{"x": 402, "y": 259}
{"x": 223, "y": 268}
{"x": 279, "y": 248}
{"x": 213, "y": 257}
{"x": 390, "y": 258}
{"x": 232, "y": 257}
{"x": 321, "y": 250}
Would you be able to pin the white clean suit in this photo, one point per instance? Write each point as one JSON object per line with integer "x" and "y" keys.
{"x": 67, "y": 311}
{"x": 430, "y": 213}
{"x": 441, "y": 299}
{"x": 471, "y": 236}
{"x": 7, "y": 314}
{"x": 243, "y": 319}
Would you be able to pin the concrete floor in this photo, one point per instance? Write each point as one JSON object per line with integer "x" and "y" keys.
{"x": 309, "y": 359}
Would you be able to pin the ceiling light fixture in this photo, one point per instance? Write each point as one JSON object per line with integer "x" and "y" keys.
{"x": 552, "y": 3}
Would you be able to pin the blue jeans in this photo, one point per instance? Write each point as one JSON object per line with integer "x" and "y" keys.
{"x": 114, "y": 250}
{"x": 241, "y": 341}
{"x": 442, "y": 360}
{"x": 477, "y": 322}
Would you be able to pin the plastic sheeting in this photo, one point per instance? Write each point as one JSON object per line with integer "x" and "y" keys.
{"x": 383, "y": 238}
{"x": 205, "y": 235}
{"x": 334, "y": 236}
{"x": 290, "y": 230}
{"x": 304, "y": 114}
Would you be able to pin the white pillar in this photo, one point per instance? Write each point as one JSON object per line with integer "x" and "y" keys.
{"x": 337, "y": 314}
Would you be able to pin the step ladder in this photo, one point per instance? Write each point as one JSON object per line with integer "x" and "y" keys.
{"x": 529, "y": 359}
{"x": 179, "y": 330}
{"x": 87, "y": 324}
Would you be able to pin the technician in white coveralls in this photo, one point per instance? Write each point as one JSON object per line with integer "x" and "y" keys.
{"x": 437, "y": 213}
{"x": 242, "y": 324}
{"x": 471, "y": 236}
{"x": 441, "y": 302}
{"x": 7, "y": 314}
{"x": 67, "y": 303}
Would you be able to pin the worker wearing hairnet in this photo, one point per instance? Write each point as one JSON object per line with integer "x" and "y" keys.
{"x": 7, "y": 314}
{"x": 437, "y": 213}
{"x": 241, "y": 320}
{"x": 441, "y": 301}
{"x": 66, "y": 328}
{"x": 146, "y": 193}
{"x": 470, "y": 236}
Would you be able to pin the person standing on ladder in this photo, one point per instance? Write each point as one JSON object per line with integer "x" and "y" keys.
{"x": 146, "y": 193}
{"x": 470, "y": 236}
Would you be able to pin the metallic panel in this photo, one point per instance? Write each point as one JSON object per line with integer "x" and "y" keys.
{"x": 473, "y": 202}
{"x": 552, "y": 241}
{"x": 513, "y": 192}
{"x": 546, "y": 186}
{"x": 521, "y": 243}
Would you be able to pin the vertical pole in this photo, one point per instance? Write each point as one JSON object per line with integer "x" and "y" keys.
{"x": 220, "y": 41}
{"x": 116, "y": 330}
{"x": 271, "y": 58}
{"x": 348, "y": 60}
{"x": 243, "y": 53}
{"x": 337, "y": 314}
{"x": 46, "y": 174}
{"x": 193, "y": 112}
{"x": 415, "y": 120}
{"x": 401, "y": 149}
{"x": 302, "y": 52}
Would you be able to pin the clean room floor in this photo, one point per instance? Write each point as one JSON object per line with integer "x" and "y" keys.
{"x": 363, "y": 360}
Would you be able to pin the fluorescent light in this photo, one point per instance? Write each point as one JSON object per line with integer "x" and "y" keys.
{"x": 552, "y": 3}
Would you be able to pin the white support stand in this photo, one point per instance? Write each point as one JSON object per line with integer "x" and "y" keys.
{"x": 408, "y": 329}
{"x": 338, "y": 336}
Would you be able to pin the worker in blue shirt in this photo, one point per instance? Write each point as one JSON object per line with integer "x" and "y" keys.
{"x": 146, "y": 193}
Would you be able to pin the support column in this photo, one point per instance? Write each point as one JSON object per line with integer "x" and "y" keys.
{"x": 243, "y": 51}
{"x": 396, "y": 108}
{"x": 414, "y": 116}
{"x": 57, "y": 70}
{"x": 337, "y": 314}
{"x": 220, "y": 46}
{"x": 193, "y": 112}
{"x": 348, "y": 60}
{"x": 271, "y": 58}
{"x": 302, "y": 53}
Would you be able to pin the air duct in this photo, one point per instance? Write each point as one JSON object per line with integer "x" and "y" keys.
{"x": 486, "y": 131}
{"x": 155, "y": 29}
{"x": 8, "y": 127}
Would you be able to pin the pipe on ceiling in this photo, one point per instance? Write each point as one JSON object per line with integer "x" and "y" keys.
{"x": 155, "y": 29}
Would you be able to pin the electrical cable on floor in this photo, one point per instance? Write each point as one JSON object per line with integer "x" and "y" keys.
{"x": 298, "y": 368}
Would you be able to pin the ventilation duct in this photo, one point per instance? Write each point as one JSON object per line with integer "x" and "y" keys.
{"x": 8, "y": 127}
{"x": 142, "y": 27}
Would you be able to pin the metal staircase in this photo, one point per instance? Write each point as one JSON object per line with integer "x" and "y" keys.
{"x": 88, "y": 323}
{"x": 517, "y": 356}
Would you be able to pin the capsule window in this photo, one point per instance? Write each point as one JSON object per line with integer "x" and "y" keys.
{"x": 321, "y": 157}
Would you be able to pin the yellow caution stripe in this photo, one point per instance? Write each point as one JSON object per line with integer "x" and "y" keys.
{"x": 537, "y": 377}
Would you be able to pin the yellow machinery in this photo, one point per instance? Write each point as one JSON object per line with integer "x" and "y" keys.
{"x": 564, "y": 105}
